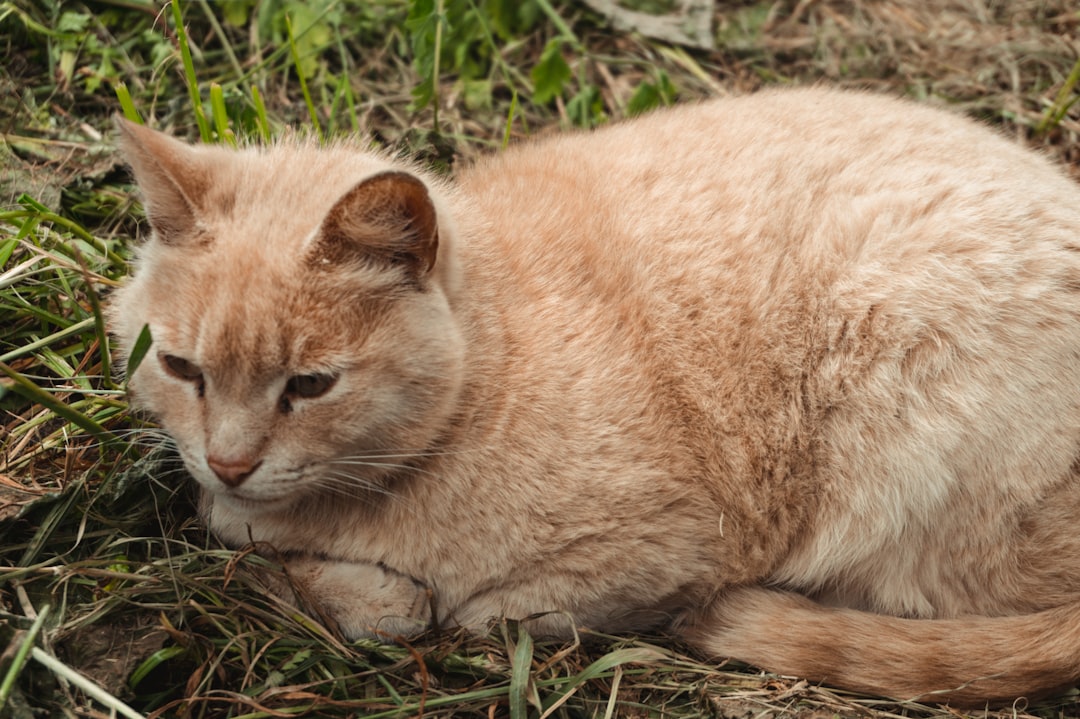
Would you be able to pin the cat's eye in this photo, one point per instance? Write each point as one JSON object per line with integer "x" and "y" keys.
{"x": 181, "y": 368}
{"x": 309, "y": 386}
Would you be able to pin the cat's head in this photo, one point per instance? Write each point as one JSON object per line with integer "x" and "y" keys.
{"x": 300, "y": 305}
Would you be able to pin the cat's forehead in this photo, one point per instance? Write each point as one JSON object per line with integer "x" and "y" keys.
{"x": 240, "y": 313}
{"x": 274, "y": 198}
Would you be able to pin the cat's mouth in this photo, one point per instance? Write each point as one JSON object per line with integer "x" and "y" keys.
{"x": 252, "y": 503}
{"x": 248, "y": 499}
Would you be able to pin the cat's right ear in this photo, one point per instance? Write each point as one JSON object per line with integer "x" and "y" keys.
{"x": 388, "y": 219}
{"x": 169, "y": 175}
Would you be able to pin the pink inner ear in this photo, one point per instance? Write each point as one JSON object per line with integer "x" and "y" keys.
{"x": 387, "y": 218}
{"x": 170, "y": 178}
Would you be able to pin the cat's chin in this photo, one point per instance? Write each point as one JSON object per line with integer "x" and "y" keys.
{"x": 246, "y": 504}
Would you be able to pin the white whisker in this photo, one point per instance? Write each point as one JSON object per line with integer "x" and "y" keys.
{"x": 409, "y": 453}
{"x": 358, "y": 462}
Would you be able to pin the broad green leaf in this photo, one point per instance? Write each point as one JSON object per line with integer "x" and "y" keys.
{"x": 586, "y": 108}
{"x": 650, "y": 95}
{"x": 235, "y": 12}
{"x": 477, "y": 94}
{"x": 73, "y": 22}
{"x": 550, "y": 74}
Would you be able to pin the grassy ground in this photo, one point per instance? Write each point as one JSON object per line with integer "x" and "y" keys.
{"x": 104, "y": 573}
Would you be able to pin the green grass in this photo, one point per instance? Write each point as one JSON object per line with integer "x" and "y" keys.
{"x": 104, "y": 571}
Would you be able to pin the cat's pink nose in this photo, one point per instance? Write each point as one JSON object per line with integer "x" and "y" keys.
{"x": 233, "y": 472}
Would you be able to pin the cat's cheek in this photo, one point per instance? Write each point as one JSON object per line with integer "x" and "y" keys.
{"x": 177, "y": 415}
{"x": 200, "y": 474}
{"x": 140, "y": 392}
{"x": 327, "y": 428}
{"x": 133, "y": 396}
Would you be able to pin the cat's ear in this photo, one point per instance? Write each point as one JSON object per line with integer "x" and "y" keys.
{"x": 168, "y": 173}
{"x": 388, "y": 218}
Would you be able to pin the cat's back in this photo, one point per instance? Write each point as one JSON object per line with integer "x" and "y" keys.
{"x": 768, "y": 165}
{"x": 769, "y": 196}
{"x": 776, "y": 248}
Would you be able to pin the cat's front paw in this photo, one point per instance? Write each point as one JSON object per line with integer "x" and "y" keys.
{"x": 363, "y": 600}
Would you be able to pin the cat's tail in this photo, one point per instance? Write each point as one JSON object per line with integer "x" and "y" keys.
{"x": 964, "y": 662}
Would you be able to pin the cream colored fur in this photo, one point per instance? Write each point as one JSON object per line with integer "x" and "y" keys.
{"x": 669, "y": 374}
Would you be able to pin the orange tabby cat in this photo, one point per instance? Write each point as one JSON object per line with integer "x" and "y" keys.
{"x": 796, "y": 375}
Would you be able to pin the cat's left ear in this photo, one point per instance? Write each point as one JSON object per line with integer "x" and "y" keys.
{"x": 171, "y": 179}
{"x": 389, "y": 219}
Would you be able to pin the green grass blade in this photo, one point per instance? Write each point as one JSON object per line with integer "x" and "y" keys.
{"x": 75, "y": 227}
{"x": 6, "y": 248}
{"x": 99, "y": 320}
{"x": 303, "y": 81}
{"x": 76, "y": 329}
{"x": 220, "y": 115}
{"x": 350, "y": 99}
{"x": 440, "y": 12}
{"x": 138, "y": 351}
{"x": 27, "y": 389}
{"x": 600, "y": 667}
{"x": 21, "y": 656}
{"x": 510, "y": 120}
{"x": 521, "y": 675}
{"x": 1062, "y": 102}
{"x": 31, "y": 204}
{"x": 126, "y": 103}
{"x": 260, "y": 114}
{"x": 224, "y": 37}
{"x": 189, "y": 73}
{"x": 153, "y": 662}
{"x": 556, "y": 19}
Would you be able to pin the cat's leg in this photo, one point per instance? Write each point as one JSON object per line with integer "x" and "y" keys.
{"x": 363, "y": 600}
